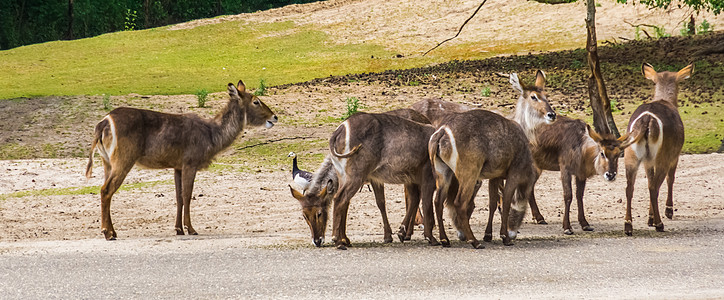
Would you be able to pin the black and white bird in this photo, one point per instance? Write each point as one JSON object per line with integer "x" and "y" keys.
{"x": 302, "y": 178}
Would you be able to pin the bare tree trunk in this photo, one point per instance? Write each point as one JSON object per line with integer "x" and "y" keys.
{"x": 69, "y": 34}
{"x": 147, "y": 14}
{"x": 600, "y": 104}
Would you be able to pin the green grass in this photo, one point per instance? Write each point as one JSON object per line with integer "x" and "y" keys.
{"x": 162, "y": 61}
{"x": 80, "y": 190}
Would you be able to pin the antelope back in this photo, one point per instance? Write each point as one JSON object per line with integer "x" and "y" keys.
{"x": 435, "y": 109}
{"x": 256, "y": 113}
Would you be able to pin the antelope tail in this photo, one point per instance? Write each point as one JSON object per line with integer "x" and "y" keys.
{"x": 344, "y": 155}
{"x": 646, "y": 126}
{"x": 97, "y": 139}
{"x": 433, "y": 145}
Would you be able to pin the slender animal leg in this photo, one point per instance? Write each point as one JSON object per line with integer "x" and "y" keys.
{"x": 188, "y": 174}
{"x": 341, "y": 206}
{"x": 179, "y": 201}
{"x": 655, "y": 181}
{"x": 379, "y": 190}
{"x": 494, "y": 199}
{"x": 580, "y": 188}
{"x": 632, "y": 166}
{"x": 462, "y": 205}
{"x": 412, "y": 200}
{"x": 537, "y": 216}
{"x": 442, "y": 194}
{"x": 427, "y": 191}
{"x": 669, "y": 212}
{"x": 110, "y": 186}
{"x": 508, "y": 192}
{"x": 567, "y": 199}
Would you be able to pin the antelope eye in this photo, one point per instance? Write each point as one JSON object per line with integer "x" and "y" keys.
{"x": 602, "y": 155}
{"x": 256, "y": 102}
{"x": 534, "y": 97}
{"x": 319, "y": 214}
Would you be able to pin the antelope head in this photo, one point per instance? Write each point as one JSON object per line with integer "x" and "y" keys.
{"x": 256, "y": 113}
{"x": 667, "y": 83}
{"x": 315, "y": 209}
{"x": 608, "y": 151}
{"x": 533, "y": 102}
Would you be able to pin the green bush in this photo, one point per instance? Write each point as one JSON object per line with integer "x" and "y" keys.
{"x": 201, "y": 96}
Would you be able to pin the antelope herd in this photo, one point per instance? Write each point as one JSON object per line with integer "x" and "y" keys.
{"x": 440, "y": 151}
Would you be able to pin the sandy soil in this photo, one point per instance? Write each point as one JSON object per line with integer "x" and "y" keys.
{"x": 259, "y": 204}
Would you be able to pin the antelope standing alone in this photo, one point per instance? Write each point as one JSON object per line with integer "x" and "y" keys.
{"x": 375, "y": 148}
{"x": 655, "y": 134}
{"x": 476, "y": 145}
{"x": 186, "y": 143}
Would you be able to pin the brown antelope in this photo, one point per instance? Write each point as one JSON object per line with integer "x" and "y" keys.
{"x": 571, "y": 147}
{"x": 186, "y": 143}
{"x": 375, "y": 148}
{"x": 655, "y": 134}
{"x": 476, "y": 145}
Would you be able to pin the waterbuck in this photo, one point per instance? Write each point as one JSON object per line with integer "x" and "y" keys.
{"x": 571, "y": 147}
{"x": 186, "y": 143}
{"x": 655, "y": 134}
{"x": 375, "y": 148}
{"x": 476, "y": 145}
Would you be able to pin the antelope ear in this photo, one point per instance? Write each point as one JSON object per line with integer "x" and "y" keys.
{"x": 241, "y": 87}
{"x": 322, "y": 193}
{"x": 515, "y": 82}
{"x": 296, "y": 194}
{"x": 593, "y": 134}
{"x": 685, "y": 73}
{"x": 233, "y": 92}
{"x": 540, "y": 79}
{"x": 648, "y": 71}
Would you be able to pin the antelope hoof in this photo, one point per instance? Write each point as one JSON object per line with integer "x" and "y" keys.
{"x": 669, "y": 212}
{"x": 541, "y": 222}
{"x": 179, "y": 231}
{"x": 110, "y": 235}
{"x": 568, "y": 232}
{"x": 588, "y": 228}
{"x": 401, "y": 234}
{"x": 445, "y": 243}
{"x": 660, "y": 227}
{"x": 651, "y": 221}
{"x": 388, "y": 239}
{"x": 341, "y": 247}
{"x": 628, "y": 228}
{"x": 408, "y": 237}
{"x": 477, "y": 245}
{"x": 488, "y": 237}
{"x": 507, "y": 241}
{"x": 432, "y": 241}
{"x": 461, "y": 236}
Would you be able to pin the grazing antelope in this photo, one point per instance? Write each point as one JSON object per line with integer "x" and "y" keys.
{"x": 476, "y": 145}
{"x": 186, "y": 143}
{"x": 655, "y": 135}
{"x": 571, "y": 147}
{"x": 375, "y": 148}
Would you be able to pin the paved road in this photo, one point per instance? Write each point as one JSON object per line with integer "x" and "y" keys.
{"x": 679, "y": 264}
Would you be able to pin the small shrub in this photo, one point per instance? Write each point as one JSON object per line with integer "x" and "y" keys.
{"x": 261, "y": 90}
{"x": 704, "y": 27}
{"x": 201, "y": 97}
{"x": 576, "y": 64}
{"x": 353, "y": 106}
{"x": 107, "y": 102}
{"x": 485, "y": 92}
{"x": 660, "y": 32}
{"x": 130, "y": 23}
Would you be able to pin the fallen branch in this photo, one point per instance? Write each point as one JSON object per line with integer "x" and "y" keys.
{"x": 459, "y": 30}
{"x": 276, "y": 140}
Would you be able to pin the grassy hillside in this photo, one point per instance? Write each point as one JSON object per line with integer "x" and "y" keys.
{"x": 162, "y": 61}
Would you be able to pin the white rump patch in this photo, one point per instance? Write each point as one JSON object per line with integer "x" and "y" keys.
{"x": 108, "y": 150}
{"x": 654, "y": 146}
{"x": 453, "y": 160}
{"x": 340, "y": 164}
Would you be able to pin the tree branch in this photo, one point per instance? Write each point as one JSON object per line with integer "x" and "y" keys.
{"x": 459, "y": 30}
{"x": 274, "y": 141}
